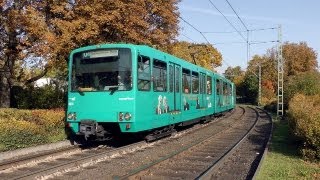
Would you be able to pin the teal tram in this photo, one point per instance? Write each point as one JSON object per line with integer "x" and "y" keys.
{"x": 124, "y": 88}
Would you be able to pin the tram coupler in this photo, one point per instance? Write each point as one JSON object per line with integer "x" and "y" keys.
{"x": 88, "y": 128}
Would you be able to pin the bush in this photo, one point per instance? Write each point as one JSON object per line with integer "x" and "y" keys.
{"x": 272, "y": 106}
{"x": 304, "y": 121}
{"x": 305, "y": 83}
{"x": 24, "y": 128}
{"x": 46, "y": 97}
{"x": 19, "y": 134}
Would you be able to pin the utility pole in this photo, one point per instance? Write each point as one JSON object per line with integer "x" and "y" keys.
{"x": 259, "y": 103}
{"x": 248, "y": 47}
{"x": 280, "y": 75}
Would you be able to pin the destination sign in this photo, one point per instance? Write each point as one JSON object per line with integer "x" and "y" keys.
{"x": 101, "y": 53}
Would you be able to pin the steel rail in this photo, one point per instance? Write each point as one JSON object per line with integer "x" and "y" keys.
{"x": 143, "y": 168}
{"x": 76, "y": 162}
{"x": 26, "y": 158}
{"x": 206, "y": 175}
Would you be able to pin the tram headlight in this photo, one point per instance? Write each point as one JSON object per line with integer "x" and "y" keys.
{"x": 72, "y": 116}
{"x": 127, "y": 116}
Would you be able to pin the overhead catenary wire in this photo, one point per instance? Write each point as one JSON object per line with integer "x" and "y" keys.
{"x": 227, "y": 20}
{"x": 202, "y": 34}
{"x": 262, "y": 42}
{"x": 229, "y": 32}
{"x": 237, "y": 15}
{"x": 195, "y": 29}
{"x": 264, "y": 29}
{"x": 188, "y": 38}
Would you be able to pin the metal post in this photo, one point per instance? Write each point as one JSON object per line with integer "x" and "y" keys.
{"x": 280, "y": 75}
{"x": 259, "y": 100}
{"x": 248, "y": 48}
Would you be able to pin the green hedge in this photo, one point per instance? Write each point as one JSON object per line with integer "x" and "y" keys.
{"x": 24, "y": 128}
{"x": 304, "y": 120}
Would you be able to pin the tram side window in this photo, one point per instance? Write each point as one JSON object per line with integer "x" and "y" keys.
{"x": 209, "y": 84}
{"x": 225, "y": 89}
{"x": 186, "y": 80}
{"x": 195, "y": 82}
{"x": 144, "y": 74}
{"x": 159, "y": 75}
{"x": 218, "y": 87}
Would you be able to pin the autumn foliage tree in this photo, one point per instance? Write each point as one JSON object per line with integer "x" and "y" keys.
{"x": 236, "y": 75}
{"x": 42, "y": 33}
{"x": 298, "y": 58}
{"x": 204, "y": 55}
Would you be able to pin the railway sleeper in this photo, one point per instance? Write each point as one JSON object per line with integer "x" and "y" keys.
{"x": 194, "y": 168}
{"x": 169, "y": 173}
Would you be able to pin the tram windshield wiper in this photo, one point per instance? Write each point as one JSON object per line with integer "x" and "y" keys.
{"x": 80, "y": 90}
{"x": 113, "y": 89}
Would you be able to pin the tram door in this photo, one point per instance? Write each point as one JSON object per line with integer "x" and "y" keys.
{"x": 175, "y": 86}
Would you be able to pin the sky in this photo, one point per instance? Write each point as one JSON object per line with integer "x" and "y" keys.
{"x": 299, "y": 20}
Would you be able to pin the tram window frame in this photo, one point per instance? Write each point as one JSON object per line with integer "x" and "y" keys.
{"x": 144, "y": 73}
{"x": 177, "y": 79}
{"x": 159, "y": 82}
{"x": 203, "y": 83}
{"x": 171, "y": 78}
{"x": 221, "y": 87}
{"x": 194, "y": 79}
{"x": 186, "y": 78}
{"x": 209, "y": 85}
{"x": 218, "y": 86}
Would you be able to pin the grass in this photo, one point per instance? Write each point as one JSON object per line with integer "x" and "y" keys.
{"x": 283, "y": 161}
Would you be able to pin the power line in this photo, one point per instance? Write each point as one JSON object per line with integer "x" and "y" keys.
{"x": 229, "y": 32}
{"x": 228, "y": 20}
{"x": 263, "y": 29}
{"x": 235, "y": 42}
{"x": 262, "y": 42}
{"x": 242, "y": 42}
{"x": 188, "y": 38}
{"x": 221, "y": 32}
{"x": 237, "y": 16}
{"x": 194, "y": 28}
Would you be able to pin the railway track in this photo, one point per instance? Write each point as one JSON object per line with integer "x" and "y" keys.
{"x": 122, "y": 162}
{"x": 209, "y": 157}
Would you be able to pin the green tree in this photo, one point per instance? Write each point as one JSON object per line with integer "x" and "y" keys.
{"x": 249, "y": 88}
{"x": 307, "y": 83}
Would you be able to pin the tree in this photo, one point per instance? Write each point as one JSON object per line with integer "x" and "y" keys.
{"x": 236, "y": 75}
{"x": 204, "y": 55}
{"x": 249, "y": 88}
{"x": 307, "y": 83}
{"x": 11, "y": 33}
{"x": 299, "y": 57}
{"x": 46, "y": 31}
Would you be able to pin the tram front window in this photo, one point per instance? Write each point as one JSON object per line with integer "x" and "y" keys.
{"x": 102, "y": 70}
